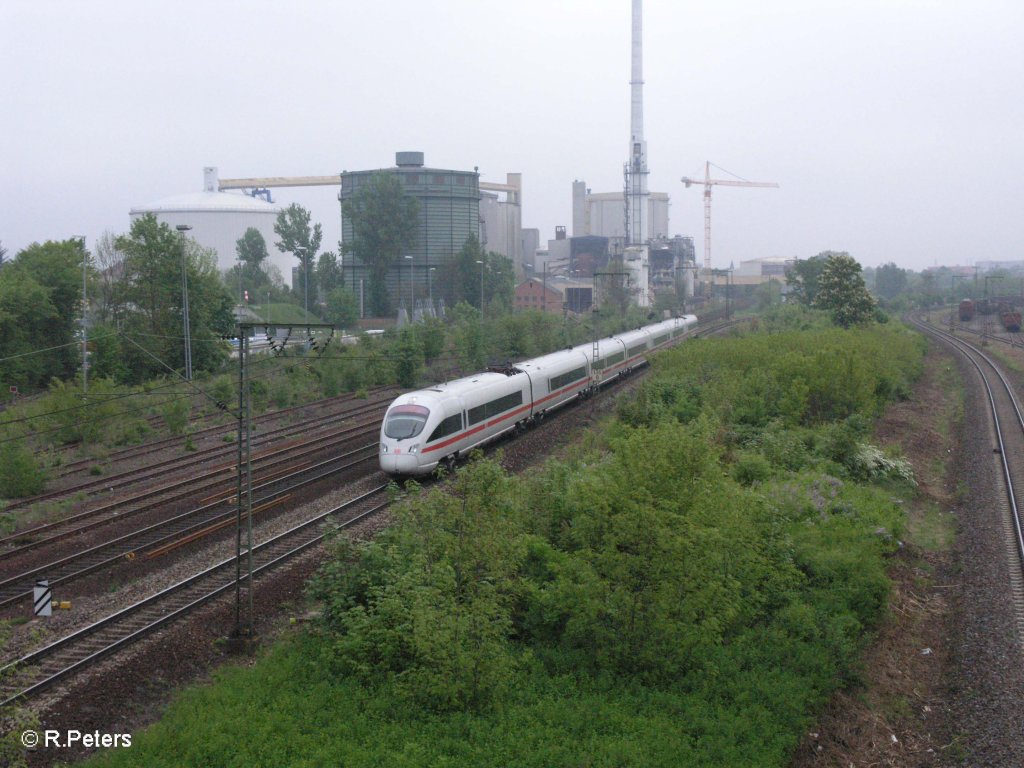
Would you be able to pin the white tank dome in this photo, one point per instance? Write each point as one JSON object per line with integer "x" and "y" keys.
{"x": 209, "y": 201}
{"x": 219, "y": 219}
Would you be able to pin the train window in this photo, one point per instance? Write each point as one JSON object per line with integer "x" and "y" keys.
{"x": 639, "y": 348}
{"x": 449, "y": 426}
{"x": 494, "y": 407}
{"x": 405, "y": 421}
{"x": 557, "y": 382}
{"x": 661, "y": 339}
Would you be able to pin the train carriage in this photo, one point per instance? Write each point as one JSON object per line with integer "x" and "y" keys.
{"x": 437, "y": 425}
{"x": 422, "y": 429}
{"x": 557, "y": 378}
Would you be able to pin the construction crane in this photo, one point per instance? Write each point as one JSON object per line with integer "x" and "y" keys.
{"x": 708, "y": 182}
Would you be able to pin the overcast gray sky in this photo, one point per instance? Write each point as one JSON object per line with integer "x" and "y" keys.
{"x": 894, "y": 127}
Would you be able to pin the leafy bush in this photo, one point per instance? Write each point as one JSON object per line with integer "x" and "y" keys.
{"x": 751, "y": 468}
{"x": 20, "y": 474}
{"x": 175, "y": 413}
{"x": 686, "y": 589}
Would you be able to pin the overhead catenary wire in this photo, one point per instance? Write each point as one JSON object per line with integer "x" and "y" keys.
{"x": 51, "y": 349}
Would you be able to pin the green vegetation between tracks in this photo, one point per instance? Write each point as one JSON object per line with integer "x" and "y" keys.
{"x": 686, "y": 588}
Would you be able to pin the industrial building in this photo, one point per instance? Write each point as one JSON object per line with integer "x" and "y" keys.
{"x": 219, "y": 219}
{"x": 604, "y": 214}
{"x": 501, "y": 220}
{"x": 451, "y": 209}
{"x": 757, "y": 271}
{"x": 557, "y": 294}
{"x": 449, "y": 213}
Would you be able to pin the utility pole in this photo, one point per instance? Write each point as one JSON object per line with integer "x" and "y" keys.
{"x": 182, "y": 229}
{"x": 85, "y": 327}
{"x": 243, "y": 532}
{"x": 481, "y": 289}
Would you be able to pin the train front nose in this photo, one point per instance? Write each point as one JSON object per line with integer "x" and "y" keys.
{"x": 399, "y": 463}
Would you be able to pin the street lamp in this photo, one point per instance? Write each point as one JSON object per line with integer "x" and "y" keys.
{"x": 411, "y": 300}
{"x": 182, "y": 229}
{"x": 305, "y": 277}
{"x": 481, "y": 288}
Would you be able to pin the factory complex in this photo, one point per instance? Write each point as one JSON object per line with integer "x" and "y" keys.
{"x": 627, "y": 230}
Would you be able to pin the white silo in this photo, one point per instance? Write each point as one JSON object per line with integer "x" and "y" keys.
{"x": 219, "y": 219}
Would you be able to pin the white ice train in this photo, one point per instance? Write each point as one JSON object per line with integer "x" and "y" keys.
{"x": 435, "y": 426}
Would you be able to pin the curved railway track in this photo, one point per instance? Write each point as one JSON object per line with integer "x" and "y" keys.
{"x": 1008, "y": 433}
{"x": 36, "y": 671}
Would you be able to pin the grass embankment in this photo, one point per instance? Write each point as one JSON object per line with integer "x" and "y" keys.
{"x": 688, "y": 589}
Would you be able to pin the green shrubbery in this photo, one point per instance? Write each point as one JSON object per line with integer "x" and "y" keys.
{"x": 687, "y": 589}
{"x": 20, "y": 473}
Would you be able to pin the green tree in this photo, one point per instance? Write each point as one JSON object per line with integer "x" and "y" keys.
{"x": 461, "y": 277}
{"x": 841, "y": 291}
{"x": 56, "y": 268}
{"x": 802, "y": 278}
{"x": 768, "y": 295}
{"x": 384, "y": 224}
{"x": 890, "y": 280}
{"x": 341, "y": 308}
{"x": 301, "y": 239}
{"x": 499, "y": 282}
{"x": 25, "y": 309}
{"x": 149, "y": 300}
{"x": 328, "y": 273}
{"x": 409, "y": 358}
{"x": 109, "y": 271}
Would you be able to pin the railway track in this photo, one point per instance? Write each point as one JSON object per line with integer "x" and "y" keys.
{"x": 1008, "y": 432}
{"x": 36, "y": 671}
{"x": 201, "y": 457}
{"x": 205, "y": 481}
{"x": 182, "y": 529}
{"x": 83, "y": 465}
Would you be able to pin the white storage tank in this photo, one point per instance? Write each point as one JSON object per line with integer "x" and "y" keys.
{"x": 219, "y": 219}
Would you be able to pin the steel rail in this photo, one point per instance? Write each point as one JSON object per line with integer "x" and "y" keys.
{"x": 154, "y": 601}
{"x": 20, "y": 585}
{"x": 94, "y": 654}
{"x": 183, "y": 488}
{"x": 198, "y": 457}
{"x": 971, "y": 352}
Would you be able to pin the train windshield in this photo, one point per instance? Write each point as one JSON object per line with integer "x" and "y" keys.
{"x": 405, "y": 421}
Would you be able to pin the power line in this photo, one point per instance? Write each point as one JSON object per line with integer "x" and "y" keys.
{"x": 51, "y": 349}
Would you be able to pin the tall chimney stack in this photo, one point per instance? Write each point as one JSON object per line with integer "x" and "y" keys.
{"x": 636, "y": 166}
